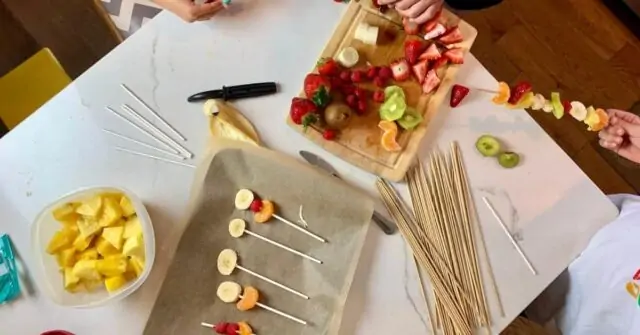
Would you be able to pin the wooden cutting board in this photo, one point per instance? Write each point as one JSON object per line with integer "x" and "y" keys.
{"x": 359, "y": 144}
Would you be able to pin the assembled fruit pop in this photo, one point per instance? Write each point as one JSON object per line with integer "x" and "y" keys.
{"x": 228, "y": 261}
{"x": 230, "y": 292}
{"x": 230, "y": 328}
{"x": 238, "y": 227}
{"x": 265, "y": 210}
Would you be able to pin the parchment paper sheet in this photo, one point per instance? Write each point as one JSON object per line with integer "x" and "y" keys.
{"x": 333, "y": 210}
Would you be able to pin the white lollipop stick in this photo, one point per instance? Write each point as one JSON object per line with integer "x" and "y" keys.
{"x": 112, "y": 111}
{"x": 281, "y": 313}
{"x": 271, "y": 281}
{"x": 143, "y": 144}
{"x": 208, "y": 325}
{"x": 299, "y": 228}
{"x": 154, "y": 157}
{"x": 133, "y": 95}
{"x": 283, "y": 246}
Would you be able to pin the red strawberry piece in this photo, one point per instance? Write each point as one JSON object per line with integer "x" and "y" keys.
{"x": 317, "y": 89}
{"x": 438, "y": 30}
{"x": 329, "y": 134}
{"x": 357, "y": 76}
{"x": 362, "y": 107}
{"x": 232, "y": 329}
{"x": 410, "y": 27}
{"x": 518, "y": 91}
{"x": 378, "y": 81}
{"x": 352, "y": 101}
{"x": 455, "y": 55}
{"x": 442, "y": 61}
{"x": 336, "y": 83}
{"x": 348, "y": 89}
{"x": 432, "y": 53}
{"x": 328, "y": 67}
{"x": 361, "y": 93}
{"x": 458, "y": 92}
{"x": 372, "y": 72}
{"x": 636, "y": 276}
{"x": 420, "y": 70}
{"x": 378, "y": 96}
{"x": 453, "y": 35}
{"x": 256, "y": 205}
{"x": 431, "y": 82}
{"x": 303, "y": 112}
{"x": 567, "y": 106}
{"x": 400, "y": 70}
{"x": 385, "y": 73}
{"x": 412, "y": 50}
{"x": 221, "y": 327}
{"x": 429, "y": 25}
{"x": 345, "y": 76}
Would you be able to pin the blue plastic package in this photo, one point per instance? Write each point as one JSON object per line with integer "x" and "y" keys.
{"x": 9, "y": 283}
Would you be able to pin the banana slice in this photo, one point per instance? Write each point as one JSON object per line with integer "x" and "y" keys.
{"x": 548, "y": 107}
{"x": 244, "y": 198}
{"x": 578, "y": 110}
{"x": 538, "y": 102}
{"x": 227, "y": 261}
{"x": 236, "y": 227}
{"x": 348, "y": 57}
{"x": 229, "y": 291}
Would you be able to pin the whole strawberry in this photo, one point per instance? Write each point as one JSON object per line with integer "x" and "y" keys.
{"x": 328, "y": 67}
{"x": 317, "y": 89}
{"x": 329, "y": 134}
{"x": 303, "y": 112}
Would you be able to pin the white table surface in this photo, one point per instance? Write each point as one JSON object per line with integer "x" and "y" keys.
{"x": 547, "y": 201}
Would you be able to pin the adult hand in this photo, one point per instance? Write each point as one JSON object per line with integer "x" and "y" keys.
{"x": 419, "y": 11}
{"x": 622, "y": 135}
{"x": 191, "y": 12}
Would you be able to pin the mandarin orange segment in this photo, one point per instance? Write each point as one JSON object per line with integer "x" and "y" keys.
{"x": 266, "y": 212}
{"x": 388, "y": 126}
{"x": 244, "y": 328}
{"x": 249, "y": 299}
{"x": 389, "y": 142}
{"x": 504, "y": 93}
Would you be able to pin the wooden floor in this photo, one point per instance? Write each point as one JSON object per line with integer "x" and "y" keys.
{"x": 575, "y": 47}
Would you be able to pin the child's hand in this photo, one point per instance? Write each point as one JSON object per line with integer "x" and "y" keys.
{"x": 189, "y": 11}
{"x": 419, "y": 11}
{"x": 622, "y": 135}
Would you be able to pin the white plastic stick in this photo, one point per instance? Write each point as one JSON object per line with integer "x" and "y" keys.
{"x": 154, "y": 157}
{"x": 506, "y": 231}
{"x": 156, "y": 130}
{"x": 143, "y": 144}
{"x": 133, "y": 95}
{"x": 301, "y": 217}
{"x": 271, "y": 281}
{"x": 112, "y": 111}
{"x": 283, "y": 246}
{"x": 281, "y": 313}
{"x": 208, "y": 325}
{"x": 299, "y": 228}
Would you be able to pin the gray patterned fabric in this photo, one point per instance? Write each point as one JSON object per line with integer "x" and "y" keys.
{"x": 130, "y": 15}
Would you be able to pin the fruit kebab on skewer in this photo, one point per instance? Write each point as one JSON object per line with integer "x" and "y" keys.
{"x": 247, "y": 298}
{"x": 265, "y": 210}
{"x": 230, "y": 328}
{"x": 228, "y": 261}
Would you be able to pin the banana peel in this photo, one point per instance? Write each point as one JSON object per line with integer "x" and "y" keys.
{"x": 227, "y": 122}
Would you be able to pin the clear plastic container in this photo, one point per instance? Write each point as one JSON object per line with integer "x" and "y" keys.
{"x": 48, "y": 275}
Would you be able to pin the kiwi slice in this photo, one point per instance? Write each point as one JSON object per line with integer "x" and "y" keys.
{"x": 393, "y": 90}
{"x": 509, "y": 160}
{"x": 558, "y": 108}
{"x": 410, "y": 119}
{"x": 393, "y": 109}
{"x": 488, "y": 145}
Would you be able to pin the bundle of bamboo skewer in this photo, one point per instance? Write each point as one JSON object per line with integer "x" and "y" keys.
{"x": 440, "y": 231}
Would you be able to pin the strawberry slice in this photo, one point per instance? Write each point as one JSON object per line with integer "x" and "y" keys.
{"x": 400, "y": 69}
{"x": 420, "y": 70}
{"x": 455, "y": 55}
{"x": 429, "y": 25}
{"x": 410, "y": 27}
{"x": 458, "y": 93}
{"x": 432, "y": 53}
{"x": 431, "y": 82}
{"x": 440, "y": 62}
{"x": 437, "y": 31}
{"x": 518, "y": 91}
{"x": 453, "y": 35}
{"x": 412, "y": 50}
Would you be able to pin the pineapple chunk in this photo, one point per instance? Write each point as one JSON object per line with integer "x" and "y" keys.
{"x": 92, "y": 285}
{"x": 82, "y": 243}
{"x": 86, "y": 269}
{"x": 136, "y": 266}
{"x": 61, "y": 240}
{"x": 114, "y": 283}
{"x": 132, "y": 227}
{"x": 134, "y": 247}
{"x": 90, "y": 207}
{"x": 88, "y": 254}
{"x": 70, "y": 280}
{"x": 105, "y": 248}
{"x": 111, "y": 212}
{"x": 112, "y": 266}
{"x": 66, "y": 212}
{"x": 66, "y": 258}
{"x": 88, "y": 226}
{"x": 127, "y": 206}
{"x": 114, "y": 236}
{"x": 71, "y": 224}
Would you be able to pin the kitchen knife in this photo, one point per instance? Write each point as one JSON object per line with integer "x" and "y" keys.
{"x": 236, "y": 92}
{"x": 385, "y": 224}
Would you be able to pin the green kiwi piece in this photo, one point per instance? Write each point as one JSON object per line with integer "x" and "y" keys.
{"x": 509, "y": 159}
{"x": 488, "y": 145}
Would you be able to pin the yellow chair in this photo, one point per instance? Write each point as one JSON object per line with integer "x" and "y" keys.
{"x": 29, "y": 86}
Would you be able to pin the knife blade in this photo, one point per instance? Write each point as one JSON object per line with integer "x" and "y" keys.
{"x": 236, "y": 92}
{"x": 385, "y": 224}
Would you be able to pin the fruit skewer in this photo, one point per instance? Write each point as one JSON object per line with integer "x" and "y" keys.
{"x": 230, "y": 292}
{"x": 225, "y": 328}
{"x": 238, "y": 227}
{"x": 228, "y": 261}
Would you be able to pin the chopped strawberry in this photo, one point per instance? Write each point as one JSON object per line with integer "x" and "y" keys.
{"x": 567, "y": 106}
{"x": 442, "y": 61}
{"x": 455, "y": 55}
{"x": 232, "y": 329}
{"x": 372, "y": 72}
{"x": 420, "y": 70}
{"x": 518, "y": 91}
{"x": 303, "y": 112}
{"x": 458, "y": 92}
{"x": 336, "y": 83}
{"x": 345, "y": 76}
{"x": 400, "y": 70}
{"x": 378, "y": 96}
{"x": 360, "y": 92}
{"x": 352, "y": 101}
{"x": 438, "y": 30}
{"x": 429, "y": 25}
{"x": 378, "y": 81}
{"x": 347, "y": 89}
{"x": 432, "y": 53}
{"x": 636, "y": 276}
{"x": 431, "y": 82}
{"x": 453, "y": 35}
{"x": 329, "y": 134}
{"x": 412, "y": 50}
{"x": 385, "y": 73}
{"x": 256, "y": 205}
{"x": 221, "y": 327}
{"x": 362, "y": 107}
{"x": 328, "y": 67}
{"x": 357, "y": 76}
{"x": 410, "y": 27}
{"x": 317, "y": 88}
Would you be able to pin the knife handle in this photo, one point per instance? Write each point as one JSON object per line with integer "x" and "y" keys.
{"x": 385, "y": 224}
